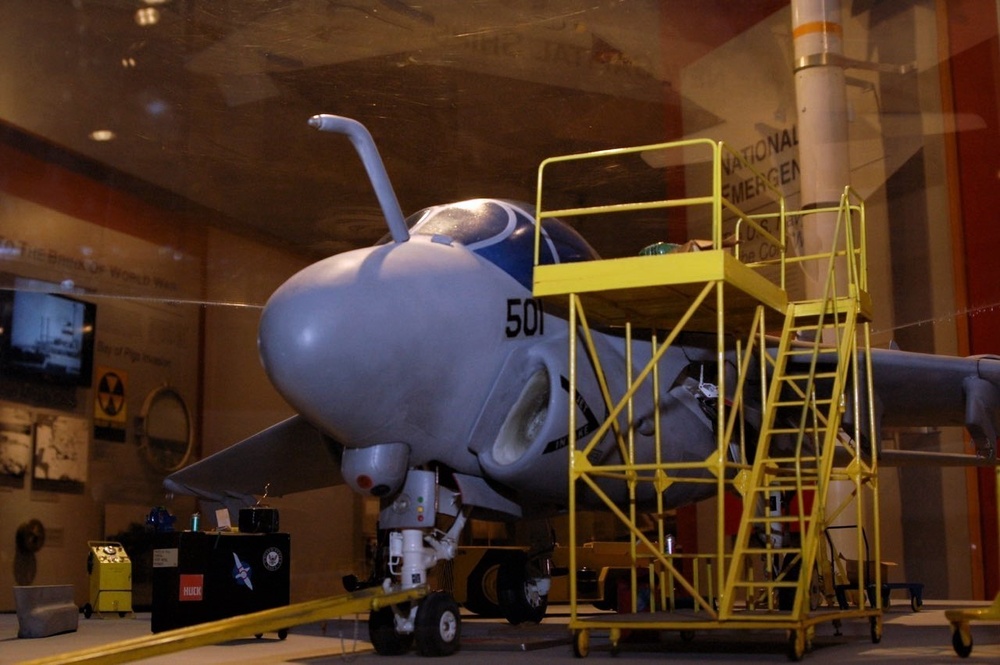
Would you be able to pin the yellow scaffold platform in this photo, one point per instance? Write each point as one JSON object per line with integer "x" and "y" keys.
{"x": 215, "y": 632}
{"x": 816, "y": 429}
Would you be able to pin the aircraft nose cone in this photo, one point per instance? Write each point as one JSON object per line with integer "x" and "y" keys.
{"x": 310, "y": 333}
{"x": 293, "y": 330}
{"x": 359, "y": 343}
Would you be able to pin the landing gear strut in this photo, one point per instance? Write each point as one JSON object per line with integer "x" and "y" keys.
{"x": 415, "y": 547}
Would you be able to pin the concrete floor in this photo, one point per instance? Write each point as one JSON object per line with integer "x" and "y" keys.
{"x": 922, "y": 637}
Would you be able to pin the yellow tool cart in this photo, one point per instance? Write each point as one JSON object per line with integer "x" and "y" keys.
{"x": 110, "y": 572}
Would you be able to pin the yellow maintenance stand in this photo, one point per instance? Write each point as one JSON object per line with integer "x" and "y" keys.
{"x": 811, "y": 374}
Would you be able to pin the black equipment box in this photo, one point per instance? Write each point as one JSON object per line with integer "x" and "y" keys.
{"x": 200, "y": 576}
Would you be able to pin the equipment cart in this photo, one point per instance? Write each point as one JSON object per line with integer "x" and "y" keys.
{"x": 110, "y": 571}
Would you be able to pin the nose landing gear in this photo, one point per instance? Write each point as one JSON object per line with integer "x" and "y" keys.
{"x": 415, "y": 546}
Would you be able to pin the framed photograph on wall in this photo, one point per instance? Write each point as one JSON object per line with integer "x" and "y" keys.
{"x": 15, "y": 444}
{"x": 61, "y": 453}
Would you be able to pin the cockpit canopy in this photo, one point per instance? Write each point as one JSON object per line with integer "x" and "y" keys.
{"x": 503, "y": 232}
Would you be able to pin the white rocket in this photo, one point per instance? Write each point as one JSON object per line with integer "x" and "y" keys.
{"x": 821, "y": 100}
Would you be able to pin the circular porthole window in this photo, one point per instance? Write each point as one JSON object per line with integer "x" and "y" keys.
{"x": 165, "y": 430}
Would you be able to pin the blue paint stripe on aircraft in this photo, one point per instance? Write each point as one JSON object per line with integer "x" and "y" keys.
{"x": 503, "y": 233}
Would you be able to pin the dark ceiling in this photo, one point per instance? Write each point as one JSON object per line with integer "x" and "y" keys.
{"x": 464, "y": 97}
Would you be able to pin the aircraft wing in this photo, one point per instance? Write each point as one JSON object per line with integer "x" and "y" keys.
{"x": 291, "y": 456}
{"x": 912, "y": 390}
{"x": 924, "y": 390}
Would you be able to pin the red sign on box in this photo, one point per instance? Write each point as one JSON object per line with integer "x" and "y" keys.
{"x": 192, "y": 587}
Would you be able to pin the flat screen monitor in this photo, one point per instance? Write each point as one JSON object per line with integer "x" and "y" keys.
{"x": 46, "y": 337}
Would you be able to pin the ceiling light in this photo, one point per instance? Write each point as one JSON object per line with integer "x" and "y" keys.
{"x": 102, "y": 135}
{"x": 157, "y": 107}
{"x": 147, "y": 16}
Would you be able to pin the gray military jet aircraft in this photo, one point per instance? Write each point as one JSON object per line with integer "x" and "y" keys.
{"x": 425, "y": 373}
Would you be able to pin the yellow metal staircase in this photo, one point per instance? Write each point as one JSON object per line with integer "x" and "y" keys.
{"x": 795, "y": 453}
{"x": 816, "y": 362}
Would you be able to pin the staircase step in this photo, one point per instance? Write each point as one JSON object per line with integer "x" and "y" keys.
{"x": 752, "y": 584}
{"x": 801, "y": 402}
{"x": 777, "y": 519}
{"x": 779, "y": 551}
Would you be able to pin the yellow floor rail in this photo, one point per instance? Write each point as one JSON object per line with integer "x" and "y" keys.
{"x": 214, "y": 632}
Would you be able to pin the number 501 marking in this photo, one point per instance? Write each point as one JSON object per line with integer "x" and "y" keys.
{"x": 525, "y": 317}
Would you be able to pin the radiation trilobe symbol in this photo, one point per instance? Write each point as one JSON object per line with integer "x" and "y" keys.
{"x": 111, "y": 394}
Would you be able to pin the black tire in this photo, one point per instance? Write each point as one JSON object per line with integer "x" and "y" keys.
{"x": 961, "y": 648}
{"x": 875, "y": 623}
{"x": 383, "y": 636}
{"x": 517, "y": 603}
{"x": 481, "y": 586}
{"x": 438, "y": 626}
{"x": 88, "y": 610}
{"x": 796, "y": 645}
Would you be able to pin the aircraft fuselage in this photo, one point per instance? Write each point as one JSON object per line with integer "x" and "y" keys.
{"x": 436, "y": 348}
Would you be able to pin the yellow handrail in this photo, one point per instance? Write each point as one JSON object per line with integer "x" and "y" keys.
{"x": 714, "y": 198}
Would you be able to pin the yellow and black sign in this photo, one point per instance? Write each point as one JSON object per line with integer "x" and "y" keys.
{"x": 110, "y": 399}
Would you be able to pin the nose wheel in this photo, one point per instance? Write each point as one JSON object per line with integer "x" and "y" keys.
{"x": 383, "y": 635}
{"x": 438, "y": 625}
{"x": 435, "y": 625}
